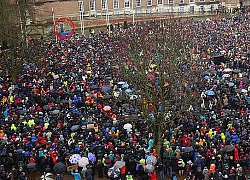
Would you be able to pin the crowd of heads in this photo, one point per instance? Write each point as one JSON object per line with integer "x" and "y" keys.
{"x": 76, "y": 102}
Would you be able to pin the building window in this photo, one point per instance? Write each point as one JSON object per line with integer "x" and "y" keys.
{"x": 127, "y": 3}
{"x": 160, "y": 2}
{"x": 202, "y": 0}
{"x": 170, "y": 1}
{"x": 201, "y": 8}
{"x": 212, "y": 7}
{"x": 191, "y": 9}
{"x": 138, "y": 3}
{"x": 181, "y": 9}
{"x": 92, "y": 5}
{"x": 181, "y": 1}
{"x": 116, "y": 4}
{"x": 191, "y": 1}
{"x": 104, "y": 4}
{"x": 171, "y": 9}
{"x": 149, "y": 2}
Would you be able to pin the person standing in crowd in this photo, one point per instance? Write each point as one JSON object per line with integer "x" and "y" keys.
{"x": 76, "y": 174}
{"x": 22, "y": 176}
{"x": 152, "y": 175}
{"x": 161, "y": 169}
{"x": 99, "y": 167}
{"x": 15, "y": 173}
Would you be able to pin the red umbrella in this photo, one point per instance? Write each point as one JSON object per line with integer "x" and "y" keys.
{"x": 107, "y": 108}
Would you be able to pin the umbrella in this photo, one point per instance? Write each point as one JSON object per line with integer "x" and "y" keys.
{"x": 227, "y": 70}
{"x": 188, "y": 149}
{"x": 46, "y": 107}
{"x": 128, "y": 91}
{"x": 19, "y": 151}
{"x": 105, "y": 89}
{"x": 212, "y": 71}
{"x": 245, "y": 80}
{"x": 127, "y": 126}
{"x": 113, "y": 172}
{"x": 94, "y": 87}
{"x": 119, "y": 164}
{"x": 106, "y": 108}
{"x": 210, "y": 93}
{"x": 230, "y": 84}
{"x": 125, "y": 85}
{"x": 134, "y": 117}
{"x": 73, "y": 159}
{"x": 21, "y": 112}
{"x": 149, "y": 168}
{"x": 31, "y": 165}
{"x": 228, "y": 148}
{"x": 207, "y": 77}
{"x": 59, "y": 168}
{"x": 91, "y": 157}
{"x": 226, "y": 75}
{"x": 205, "y": 73}
{"x": 108, "y": 78}
{"x": 243, "y": 90}
{"x": 107, "y": 96}
{"x": 151, "y": 160}
{"x": 227, "y": 112}
{"x": 121, "y": 83}
{"x": 74, "y": 127}
{"x": 238, "y": 90}
{"x": 56, "y": 111}
{"x": 82, "y": 162}
{"x": 125, "y": 105}
{"x": 236, "y": 71}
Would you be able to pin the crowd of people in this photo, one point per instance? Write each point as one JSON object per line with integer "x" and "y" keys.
{"x": 77, "y": 103}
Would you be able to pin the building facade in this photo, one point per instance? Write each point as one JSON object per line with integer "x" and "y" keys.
{"x": 116, "y": 8}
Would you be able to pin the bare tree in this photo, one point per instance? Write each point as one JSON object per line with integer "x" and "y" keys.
{"x": 154, "y": 64}
{"x": 13, "y": 19}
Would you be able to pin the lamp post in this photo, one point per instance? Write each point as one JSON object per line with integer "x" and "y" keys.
{"x": 107, "y": 16}
{"x": 53, "y": 16}
{"x": 133, "y": 13}
{"x": 81, "y": 15}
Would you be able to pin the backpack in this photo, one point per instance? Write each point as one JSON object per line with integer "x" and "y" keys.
{"x": 108, "y": 161}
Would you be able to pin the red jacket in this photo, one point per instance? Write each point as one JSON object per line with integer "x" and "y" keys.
{"x": 184, "y": 141}
{"x": 152, "y": 176}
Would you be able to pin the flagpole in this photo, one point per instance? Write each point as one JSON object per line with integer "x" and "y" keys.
{"x": 53, "y": 16}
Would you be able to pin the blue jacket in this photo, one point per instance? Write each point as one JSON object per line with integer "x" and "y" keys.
{"x": 77, "y": 176}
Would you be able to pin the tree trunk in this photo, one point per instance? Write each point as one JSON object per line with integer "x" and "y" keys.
{"x": 158, "y": 140}
{"x": 14, "y": 71}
